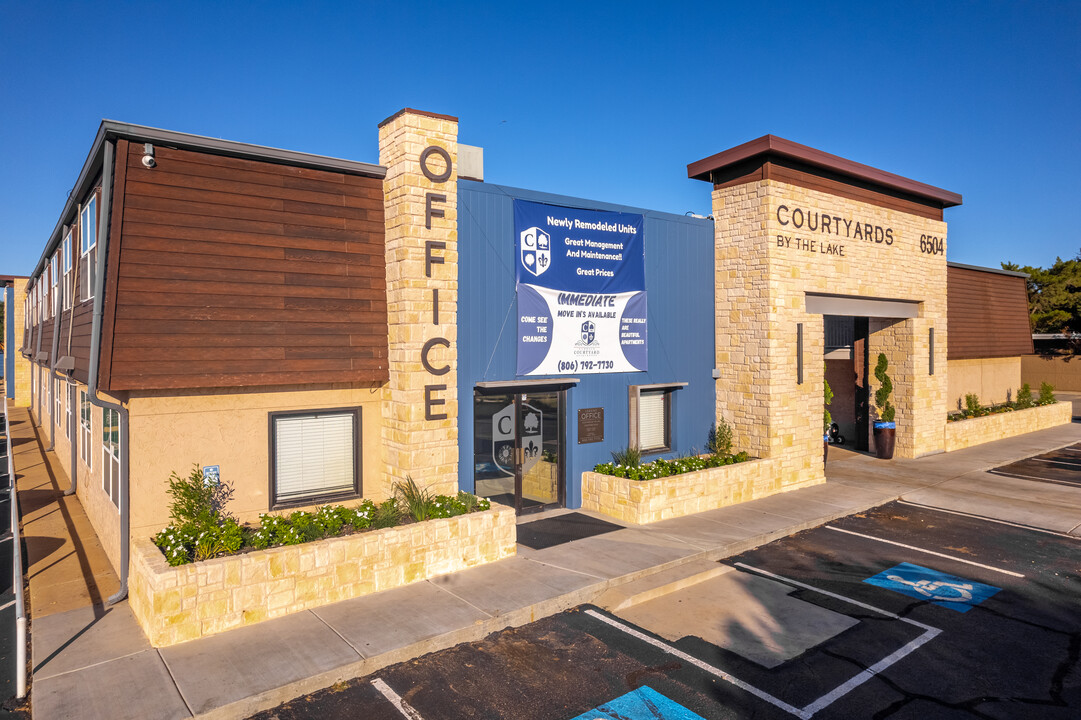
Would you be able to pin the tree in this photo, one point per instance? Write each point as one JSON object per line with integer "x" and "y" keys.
{"x": 1054, "y": 295}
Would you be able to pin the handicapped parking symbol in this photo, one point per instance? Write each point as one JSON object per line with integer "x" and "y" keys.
{"x": 936, "y": 587}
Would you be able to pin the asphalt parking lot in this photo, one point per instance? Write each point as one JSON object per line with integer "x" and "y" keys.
{"x": 1061, "y": 467}
{"x": 900, "y": 612}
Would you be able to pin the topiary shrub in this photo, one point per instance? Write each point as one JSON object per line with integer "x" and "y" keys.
{"x": 827, "y": 419}
{"x": 1024, "y": 398}
{"x": 882, "y": 395}
{"x": 1047, "y": 394}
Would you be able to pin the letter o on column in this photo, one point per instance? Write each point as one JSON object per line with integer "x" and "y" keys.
{"x": 428, "y": 173}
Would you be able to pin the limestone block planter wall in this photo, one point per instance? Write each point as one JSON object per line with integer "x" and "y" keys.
{"x": 646, "y": 501}
{"x": 175, "y": 604}
{"x": 966, "y": 433}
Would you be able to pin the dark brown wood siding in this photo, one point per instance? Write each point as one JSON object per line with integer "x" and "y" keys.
{"x": 226, "y": 272}
{"x": 801, "y": 175}
{"x": 987, "y": 315}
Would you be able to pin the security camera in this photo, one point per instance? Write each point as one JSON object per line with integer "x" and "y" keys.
{"x": 148, "y": 161}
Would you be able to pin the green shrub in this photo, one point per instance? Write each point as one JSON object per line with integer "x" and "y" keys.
{"x": 1047, "y": 394}
{"x": 413, "y": 500}
{"x": 882, "y": 395}
{"x": 1024, "y": 398}
{"x": 387, "y": 514}
{"x": 665, "y": 468}
{"x": 719, "y": 440}
{"x": 195, "y": 501}
{"x": 827, "y": 393}
{"x": 972, "y": 404}
{"x": 627, "y": 457}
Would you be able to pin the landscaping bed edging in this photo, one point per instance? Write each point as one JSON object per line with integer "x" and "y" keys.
{"x": 176, "y": 604}
{"x": 647, "y": 501}
{"x": 976, "y": 431}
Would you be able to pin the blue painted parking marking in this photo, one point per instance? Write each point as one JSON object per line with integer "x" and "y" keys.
{"x": 641, "y": 704}
{"x": 939, "y": 588}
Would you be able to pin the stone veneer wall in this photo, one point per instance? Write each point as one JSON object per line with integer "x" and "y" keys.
{"x": 183, "y": 603}
{"x": 647, "y": 501}
{"x": 21, "y": 379}
{"x": 414, "y": 445}
{"x": 976, "y": 431}
{"x": 761, "y": 298}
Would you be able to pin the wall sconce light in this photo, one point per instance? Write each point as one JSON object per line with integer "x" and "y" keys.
{"x": 799, "y": 353}
{"x": 931, "y": 351}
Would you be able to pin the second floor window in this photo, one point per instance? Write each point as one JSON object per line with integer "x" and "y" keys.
{"x": 88, "y": 240}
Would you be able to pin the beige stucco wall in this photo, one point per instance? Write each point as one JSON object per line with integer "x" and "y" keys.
{"x": 760, "y": 300}
{"x": 103, "y": 515}
{"x": 231, "y": 430}
{"x": 1063, "y": 372}
{"x": 994, "y": 380}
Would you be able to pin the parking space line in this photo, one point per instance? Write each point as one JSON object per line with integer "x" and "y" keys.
{"x": 804, "y": 713}
{"x": 989, "y": 519}
{"x": 1019, "y": 476}
{"x": 404, "y": 708}
{"x": 925, "y": 550}
{"x": 1071, "y": 463}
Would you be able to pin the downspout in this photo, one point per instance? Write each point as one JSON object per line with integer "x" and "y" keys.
{"x": 95, "y": 352}
{"x": 35, "y": 363}
{"x": 73, "y": 435}
{"x": 57, "y": 313}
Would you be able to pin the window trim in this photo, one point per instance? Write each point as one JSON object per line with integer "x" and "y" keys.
{"x": 86, "y": 430}
{"x": 58, "y": 402}
{"x": 358, "y": 465}
{"x": 89, "y": 251}
{"x": 54, "y": 284}
{"x": 634, "y": 393}
{"x": 107, "y": 458}
{"x": 67, "y": 265}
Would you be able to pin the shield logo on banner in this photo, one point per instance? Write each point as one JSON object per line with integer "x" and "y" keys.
{"x": 589, "y": 332}
{"x": 536, "y": 250}
{"x": 503, "y": 437}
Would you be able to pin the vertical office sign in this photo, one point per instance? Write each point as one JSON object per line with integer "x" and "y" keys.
{"x": 581, "y": 286}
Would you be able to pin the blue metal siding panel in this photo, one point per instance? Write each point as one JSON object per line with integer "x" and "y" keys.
{"x": 679, "y": 283}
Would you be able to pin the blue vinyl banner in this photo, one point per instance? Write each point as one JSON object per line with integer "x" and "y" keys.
{"x": 581, "y": 284}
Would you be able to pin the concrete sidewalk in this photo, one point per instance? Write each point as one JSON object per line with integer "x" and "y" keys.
{"x": 90, "y": 662}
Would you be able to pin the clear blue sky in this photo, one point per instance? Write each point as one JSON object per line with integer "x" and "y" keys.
{"x": 604, "y": 101}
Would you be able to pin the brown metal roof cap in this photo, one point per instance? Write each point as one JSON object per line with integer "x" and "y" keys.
{"x": 773, "y": 145}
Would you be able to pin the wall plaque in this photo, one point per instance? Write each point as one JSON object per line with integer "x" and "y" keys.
{"x": 590, "y": 425}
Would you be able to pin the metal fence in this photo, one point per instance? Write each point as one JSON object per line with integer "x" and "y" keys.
{"x": 17, "y": 563}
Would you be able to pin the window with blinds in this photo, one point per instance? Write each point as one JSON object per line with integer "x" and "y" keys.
{"x": 653, "y": 419}
{"x": 315, "y": 455}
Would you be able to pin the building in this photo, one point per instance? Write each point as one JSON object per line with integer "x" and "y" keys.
{"x": 313, "y": 329}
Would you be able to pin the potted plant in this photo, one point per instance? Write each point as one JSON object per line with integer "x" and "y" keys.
{"x": 827, "y": 419}
{"x": 885, "y": 428}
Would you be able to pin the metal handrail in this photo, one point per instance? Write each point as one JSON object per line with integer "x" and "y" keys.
{"x": 17, "y": 574}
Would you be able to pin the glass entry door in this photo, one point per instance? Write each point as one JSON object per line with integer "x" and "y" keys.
{"x": 518, "y": 448}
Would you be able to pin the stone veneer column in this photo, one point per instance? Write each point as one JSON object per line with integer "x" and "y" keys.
{"x": 420, "y": 404}
{"x": 760, "y": 301}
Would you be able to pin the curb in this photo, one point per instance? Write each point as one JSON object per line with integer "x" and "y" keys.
{"x": 240, "y": 709}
